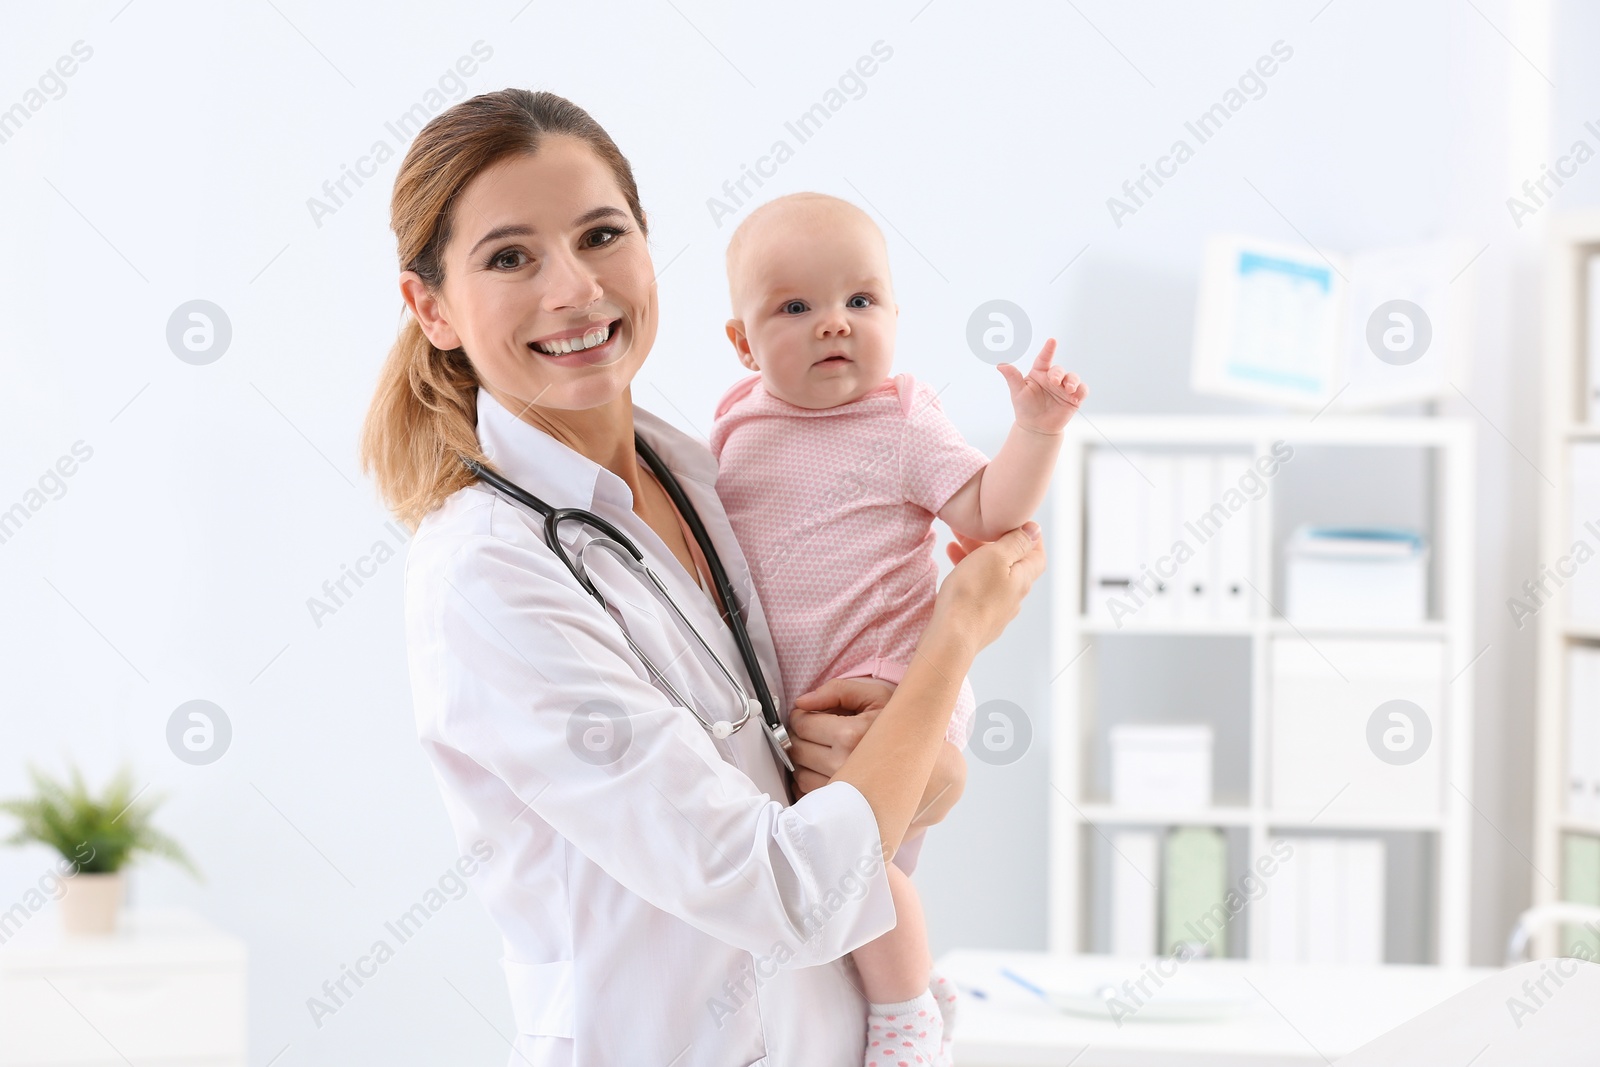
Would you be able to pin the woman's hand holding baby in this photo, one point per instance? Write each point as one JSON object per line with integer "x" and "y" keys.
{"x": 826, "y": 724}
{"x": 984, "y": 593}
{"x": 1046, "y": 398}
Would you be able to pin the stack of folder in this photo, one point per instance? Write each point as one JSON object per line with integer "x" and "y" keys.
{"x": 1580, "y": 884}
{"x": 1581, "y": 585}
{"x": 1583, "y": 732}
{"x": 1325, "y": 903}
{"x": 1324, "y": 900}
{"x": 1592, "y": 330}
{"x": 1169, "y": 889}
{"x": 1169, "y": 536}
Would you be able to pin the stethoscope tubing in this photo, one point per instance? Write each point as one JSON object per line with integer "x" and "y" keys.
{"x": 721, "y": 728}
{"x": 633, "y": 558}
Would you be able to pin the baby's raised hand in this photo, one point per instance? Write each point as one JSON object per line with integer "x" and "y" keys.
{"x": 1046, "y": 398}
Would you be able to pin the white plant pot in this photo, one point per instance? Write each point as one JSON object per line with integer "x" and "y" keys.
{"x": 92, "y": 903}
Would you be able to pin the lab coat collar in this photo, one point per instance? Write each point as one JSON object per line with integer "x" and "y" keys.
{"x": 568, "y": 479}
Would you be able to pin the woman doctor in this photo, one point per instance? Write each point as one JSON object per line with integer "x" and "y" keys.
{"x": 660, "y": 900}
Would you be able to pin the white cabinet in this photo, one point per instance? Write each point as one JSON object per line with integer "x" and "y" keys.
{"x": 1565, "y": 825}
{"x": 1314, "y": 721}
{"x": 166, "y": 989}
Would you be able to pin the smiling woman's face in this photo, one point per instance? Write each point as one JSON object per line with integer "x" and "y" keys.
{"x": 548, "y": 284}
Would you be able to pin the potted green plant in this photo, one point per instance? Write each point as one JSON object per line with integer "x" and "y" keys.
{"x": 97, "y": 837}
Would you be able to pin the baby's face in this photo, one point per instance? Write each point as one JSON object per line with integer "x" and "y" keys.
{"x": 816, "y": 315}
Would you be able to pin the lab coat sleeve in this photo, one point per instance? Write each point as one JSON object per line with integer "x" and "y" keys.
{"x": 517, "y": 669}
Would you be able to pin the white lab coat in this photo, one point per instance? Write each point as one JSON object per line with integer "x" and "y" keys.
{"x": 668, "y": 906}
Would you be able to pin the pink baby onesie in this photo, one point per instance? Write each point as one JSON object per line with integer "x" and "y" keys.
{"x": 834, "y": 509}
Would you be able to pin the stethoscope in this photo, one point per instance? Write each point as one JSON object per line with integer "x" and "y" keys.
{"x": 622, "y": 547}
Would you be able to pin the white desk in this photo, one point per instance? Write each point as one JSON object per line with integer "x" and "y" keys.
{"x": 1297, "y": 1015}
{"x": 166, "y": 988}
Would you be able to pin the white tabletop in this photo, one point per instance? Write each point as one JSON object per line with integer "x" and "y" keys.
{"x": 144, "y": 937}
{"x": 1289, "y": 1014}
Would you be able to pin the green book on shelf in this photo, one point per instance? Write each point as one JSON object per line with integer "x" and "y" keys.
{"x": 1195, "y": 885}
{"x": 1580, "y": 884}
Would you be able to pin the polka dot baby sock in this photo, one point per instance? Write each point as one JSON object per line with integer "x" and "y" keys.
{"x": 907, "y": 1034}
{"x": 944, "y": 994}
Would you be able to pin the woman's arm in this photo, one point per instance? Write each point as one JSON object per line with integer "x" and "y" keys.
{"x": 895, "y": 759}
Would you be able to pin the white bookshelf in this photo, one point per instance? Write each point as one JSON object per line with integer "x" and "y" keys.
{"x": 1077, "y": 639}
{"x": 1571, "y": 240}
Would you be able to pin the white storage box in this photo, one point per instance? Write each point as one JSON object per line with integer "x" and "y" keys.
{"x": 1324, "y": 698}
{"x": 1355, "y": 577}
{"x": 1165, "y": 767}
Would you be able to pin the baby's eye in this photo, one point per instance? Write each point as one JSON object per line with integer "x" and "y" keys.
{"x": 794, "y": 307}
{"x": 863, "y": 297}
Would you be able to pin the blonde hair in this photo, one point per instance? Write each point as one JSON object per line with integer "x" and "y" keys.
{"x": 424, "y": 417}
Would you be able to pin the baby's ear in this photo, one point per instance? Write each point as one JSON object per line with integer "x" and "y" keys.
{"x": 741, "y": 344}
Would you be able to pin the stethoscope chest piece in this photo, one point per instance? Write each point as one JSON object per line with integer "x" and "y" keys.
{"x": 778, "y": 738}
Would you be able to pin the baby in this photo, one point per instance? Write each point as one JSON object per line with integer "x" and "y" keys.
{"x": 832, "y": 472}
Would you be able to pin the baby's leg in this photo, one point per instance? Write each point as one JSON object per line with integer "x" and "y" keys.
{"x": 904, "y": 1021}
{"x": 896, "y": 966}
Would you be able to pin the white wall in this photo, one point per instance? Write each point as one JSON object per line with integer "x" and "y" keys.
{"x": 178, "y": 164}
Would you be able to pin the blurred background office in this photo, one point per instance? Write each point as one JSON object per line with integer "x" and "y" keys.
{"x": 182, "y": 518}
